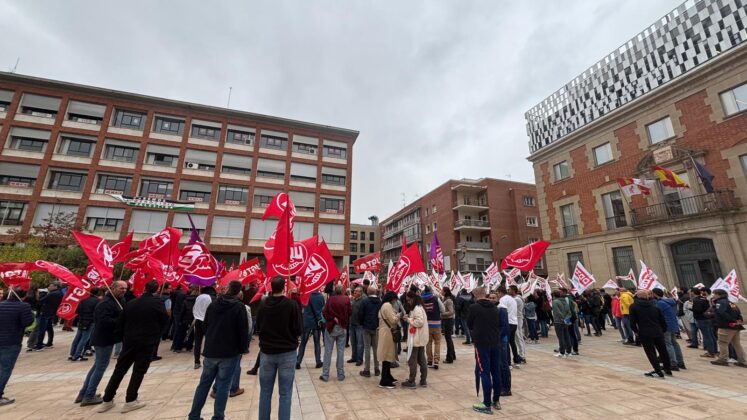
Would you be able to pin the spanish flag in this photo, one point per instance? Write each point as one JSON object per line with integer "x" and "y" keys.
{"x": 669, "y": 178}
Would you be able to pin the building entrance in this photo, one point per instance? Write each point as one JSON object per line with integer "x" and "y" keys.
{"x": 696, "y": 262}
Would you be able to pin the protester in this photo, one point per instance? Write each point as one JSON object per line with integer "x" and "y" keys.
{"x": 647, "y": 321}
{"x": 728, "y": 319}
{"x": 337, "y": 315}
{"x": 387, "y": 350}
{"x": 313, "y": 324}
{"x": 703, "y": 317}
{"x": 514, "y": 293}
{"x": 15, "y": 316}
{"x": 198, "y": 312}
{"x": 668, "y": 308}
{"x": 85, "y": 313}
{"x": 141, "y": 324}
{"x": 484, "y": 322}
{"x": 447, "y": 322}
{"x": 626, "y": 299}
{"x": 368, "y": 317}
{"x": 226, "y": 329}
{"x": 606, "y": 313}
{"x": 356, "y": 329}
{"x": 417, "y": 340}
{"x": 530, "y": 314}
{"x": 280, "y": 324}
{"x": 433, "y": 308}
{"x": 462, "y": 303}
{"x": 618, "y": 315}
{"x": 689, "y": 319}
{"x": 509, "y": 303}
{"x": 48, "y": 309}
{"x": 561, "y": 315}
{"x": 178, "y": 309}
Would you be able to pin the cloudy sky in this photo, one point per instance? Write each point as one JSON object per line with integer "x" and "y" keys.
{"x": 437, "y": 88}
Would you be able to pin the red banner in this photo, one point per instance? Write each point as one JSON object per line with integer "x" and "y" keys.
{"x": 17, "y": 274}
{"x": 526, "y": 257}
{"x": 345, "y": 278}
{"x": 163, "y": 246}
{"x": 277, "y": 208}
{"x": 121, "y": 249}
{"x": 60, "y": 272}
{"x": 250, "y": 271}
{"x": 299, "y": 256}
{"x": 409, "y": 262}
{"x": 75, "y": 295}
{"x": 371, "y": 262}
{"x": 98, "y": 252}
{"x": 319, "y": 270}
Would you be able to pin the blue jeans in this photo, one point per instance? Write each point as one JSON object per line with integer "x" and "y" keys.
{"x": 488, "y": 369}
{"x": 235, "y": 379}
{"x": 619, "y": 326}
{"x": 330, "y": 342}
{"x": 317, "y": 345}
{"x": 44, "y": 326}
{"x": 80, "y": 341}
{"x": 532, "y": 324}
{"x": 693, "y": 335}
{"x": 102, "y": 356}
{"x": 706, "y": 330}
{"x": 466, "y": 330}
{"x": 281, "y": 366}
{"x": 8, "y": 357}
{"x": 356, "y": 342}
{"x": 673, "y": 349}
{"x": 543, "y": 323}
{"x": 505, "y": 370}
{"x": 221, "y": 371}
{"x": 628, "y": 330}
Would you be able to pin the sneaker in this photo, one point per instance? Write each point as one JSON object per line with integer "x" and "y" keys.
{"x": 318, "y": 365}
{"x": 720, "y": 362}
{"x": 153, "y": 359}
{"x": 323, "y": 379}
{"x": 506, "y": 393}
{"x": 105, "y": 406}
{"x": 682, "y": 367}
{"x": 395, "y": 365}
{"x": 377, "y": 372}
{"x": 251, "y": 372}
{"x": 132, "y": 406}
{"x": 708, "y": 355}
{"x": 365, "y": 373}
{"x": 351, "y": 361}
{"x": 674, "y": 369}
{"x": 496, "y": 405}
{"x": 81, "y": 359}
{"x": 668, "y": 372}
{"x": 341, "y": 378}
{"x": 387, "y": 386}
{"x": 559, "y": 355}
{"x": 92, "y": 401}
{"x": 575, "y": 353}
{"x": 298, "y": 366}
{"x": 236, "y": 393}
{"x": 481, "y": 408}
{"x": 730, "y": 360}
{"x": 435, "y": 366}
{"x": 423, "y": 384}
{"x": 408, "y": 384}
{"x": 78, "y": 399}
{"x": 49, "y": 346}
{"x": 467, "y": 343}
{"x": 654, "y": 373}
{"x": 70, "y": 358}
{"x": 6, "y": 401}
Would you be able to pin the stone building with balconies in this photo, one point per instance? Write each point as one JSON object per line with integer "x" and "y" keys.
{"x": 672, "y": 96}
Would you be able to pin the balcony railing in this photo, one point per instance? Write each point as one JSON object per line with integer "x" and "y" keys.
{"x": 570, "y": 231}
{"x": 616, "y": 222}
{"x": 472, "y": 223}
{"x": 471, "y": 201}
{"x": 695, "y": 206}
{"x": 474, "y": 245}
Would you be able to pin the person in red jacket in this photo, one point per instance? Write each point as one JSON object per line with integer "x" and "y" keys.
{"x": 337, "y": 313}
{"x": 618, "y": 315}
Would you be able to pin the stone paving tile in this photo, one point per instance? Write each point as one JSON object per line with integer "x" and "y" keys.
{"x": 606, "y": 381}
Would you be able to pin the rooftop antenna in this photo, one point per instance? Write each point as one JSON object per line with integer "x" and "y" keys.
{"x": 13, "y": 70}
{"x": 508, "y": 176}
{"x": 404, "y": 201}
{"x": 228, "y": 104}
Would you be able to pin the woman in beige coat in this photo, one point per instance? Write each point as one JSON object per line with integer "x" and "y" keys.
{"x": 417, "y": 339}
{"x": 386, "y": 348}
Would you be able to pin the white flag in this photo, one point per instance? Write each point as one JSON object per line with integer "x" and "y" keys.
{"x": 610, "y": 285}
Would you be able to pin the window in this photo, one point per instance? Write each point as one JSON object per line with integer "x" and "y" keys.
{"x": 120, "y": 153}
{"x": 155, "y": 189}
{"x": 194, "y": 196}
{"x": 147, "y": 221}
{"x": 434, "y": 209}
{"x": 734, "y": 100}
{"x": 204, "y": 132}
{"x": 161, "y": 159}
{"x": 602, "y": 154}
{"x": 76, "y": 147}
{"x": 573, "y": 258}
{"x": 332, "y": 234}
{"x": 623, "y": 259}
{"x": 102, "y": 224}
{"x": 353, "y": 235}
{"x": 114, "y": 184}
{"x": 262, "y": 200}
{"x": 532, "y": 221}
{"x": 12, "y": 213}
{"x": 5, "y": 97}
{"x": 273, "y": 142}
{"x": 661, "y": 130}
{"x": 614, "y": 210}
{"x": 66, "y": 181}
{"x": 569, "y": 221}
{"x": 39, "y": 106}
{"x": 269, "y": 174}
{"x": 427, "y": 228}
{"x": 332, "y": 205}
{"x": 129, "y": 119}
{"x": 17, "y": 181}
{"x": 561, "y": 170}
{"x": 743, "y": 159}
{"x": 435, "y": 226}
{"x": 528, "y": 201}
{"x": 304, "y": 148}
{"x": 370, "y": 248}
{"x": 169, "y": 126}
{"x": 353, "y": 247}
{"x": 531, "y": 240}
{"x": 303, "y": 173}
{"x": 333, "y": 180}
{"x": 199, "y": 166}
{"x": 232, "y": 195}
{"x": 426, "y": 211}
{"x": 371, "y": 236}
{"x": 236, "y": 170}
{"x": 335, "y": 152}
{"x": 227, "y": 227}
{"x": 240, "y": 137}
{"x": 84, "y": 112}
{"x": 30, "y": 145}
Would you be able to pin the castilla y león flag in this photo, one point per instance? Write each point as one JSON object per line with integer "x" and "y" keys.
{"x": 98, "y": 252}
{"x": 320, "y": 269}
{"x": 409, "y": 262}
{"x": 526, "y": 257}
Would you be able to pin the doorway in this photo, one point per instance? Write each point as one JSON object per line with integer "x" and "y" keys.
{"x": 696, "y": 262}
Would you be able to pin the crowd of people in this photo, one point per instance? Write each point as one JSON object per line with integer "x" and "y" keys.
{"x": 381, "y": 327}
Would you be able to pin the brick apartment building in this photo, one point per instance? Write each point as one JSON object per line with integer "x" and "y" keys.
{"x": 477, "y": 222}
{"x": 364, "y": 240}
{"x": 67, "y": 147}
{"x": 673, "y": 95}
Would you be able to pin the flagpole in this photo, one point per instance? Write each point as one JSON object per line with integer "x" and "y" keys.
{"x": 10, "y": 289}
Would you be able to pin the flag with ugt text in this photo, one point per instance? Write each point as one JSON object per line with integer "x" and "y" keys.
{"x": 582, "y": 278}
{"x": 196, "y": 264}
{"x": 647, "y": 278}
{"x": 610, "y": 285}
{"x": 17, "y": 274}
{"x": 60, "y": 272}
{"x": 74, "y": 295}
{"x": 560, "y": 280}
{"x": 410, "y": 262}
{"x": 344, "y": 279}
{"x": 163, "y": 246}
{"x": 98, "y": 252}
{"x": 320, "y": 269}
{"x": 526, "y": 257}
{"x": 370, "y": 262}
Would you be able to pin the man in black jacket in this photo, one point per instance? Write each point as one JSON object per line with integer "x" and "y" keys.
{"x": 226, "y": 339}
{"x": 649, "y": 324}
{"x": 462, "y": 304}
{"x": 280, "y": 325}
{"x": 103, "y": 338}
{"x": 141, "y": 324}
{"x": 48, "y": 309}
{"x": 368, "y": 317}
{"x": 85, "y": 312}
{"x": 178, "y": 306}
{"x": 15, "y": 316}
{"x": 484, "y": 321}
{"x": 704, "y": 323}
{"x": 729, "y": 321}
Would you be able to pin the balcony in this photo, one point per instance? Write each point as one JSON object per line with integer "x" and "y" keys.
{"x": 695, "y": 206}
{"x": 469, "y": 224}
{"x": 469, "y": 246}
{"x": 389, "y": 232}
{"x": 470, "y": 203}
{"x": 570, "y": 231}
{"x": 616, "y": 222}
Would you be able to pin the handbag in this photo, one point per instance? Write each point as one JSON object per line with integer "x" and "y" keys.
{"x": 396, "y": 331}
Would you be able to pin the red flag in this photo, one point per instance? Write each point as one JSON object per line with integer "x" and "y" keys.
{"x": 92, "y": 276}
{"x": 164, "y": 246}
{"x": 371, "y": 262}
{"x": 121, "y": 249}
{"x": 197, "y": 265}
{"x": 345, "y": 278}
{"x": 409, "y": 262}
{"x": 98, "y": 252}
{"x": 250, "y": 271}
{"x": 138, "y": 280}
{"x": 526, "y": 257}
{"x": 320, "y": 269}
{"x": 279, "y": 204}
{"x": 281, "y": 249}
{"x": 60, "y": 272}
{"x": 17, "y": 274}
{"x": 75, "y": 295}
{"x": 404, "y": 244}
{"x": 299, "y": 255}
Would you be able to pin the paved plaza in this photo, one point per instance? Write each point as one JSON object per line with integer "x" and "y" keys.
{"x": 606, "y": 381}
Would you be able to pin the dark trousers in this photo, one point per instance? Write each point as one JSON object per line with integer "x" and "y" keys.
{"x": 448, "y": 326}
{"x": 386, "y": 374}
{"x": 573, "y": 336}
{"x": 488, "y": 368}
{"x": 512, "y": 343}
{"x": 136, "y": 356}
{"x": 199, "y": 335}
{"x": 653, "y": 345}
{"x": 180, "y": 333}
{"x": 564, "y": 340}
{"x": 417, "y": 358}
{"x": 505, "y": 369}
{"x": 45, "y": 325}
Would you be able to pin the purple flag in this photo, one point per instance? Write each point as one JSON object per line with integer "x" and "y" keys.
{"x": 436, "y": 255}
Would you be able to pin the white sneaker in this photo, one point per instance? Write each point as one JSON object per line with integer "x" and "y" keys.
{"x": 132, "y": 406}
{"x": 105, "y": 406}
{"x": 731, "y": 360}
{"x": 565, "y": 356}
{"x": 559, "y": 355}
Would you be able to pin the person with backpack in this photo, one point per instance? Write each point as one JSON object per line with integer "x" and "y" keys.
{"x": 728, "y": 319}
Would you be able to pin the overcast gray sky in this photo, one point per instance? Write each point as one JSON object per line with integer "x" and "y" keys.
{"x": 438, "y": 89}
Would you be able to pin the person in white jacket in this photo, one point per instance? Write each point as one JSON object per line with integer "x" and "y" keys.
{"x": 417, "y": 336}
